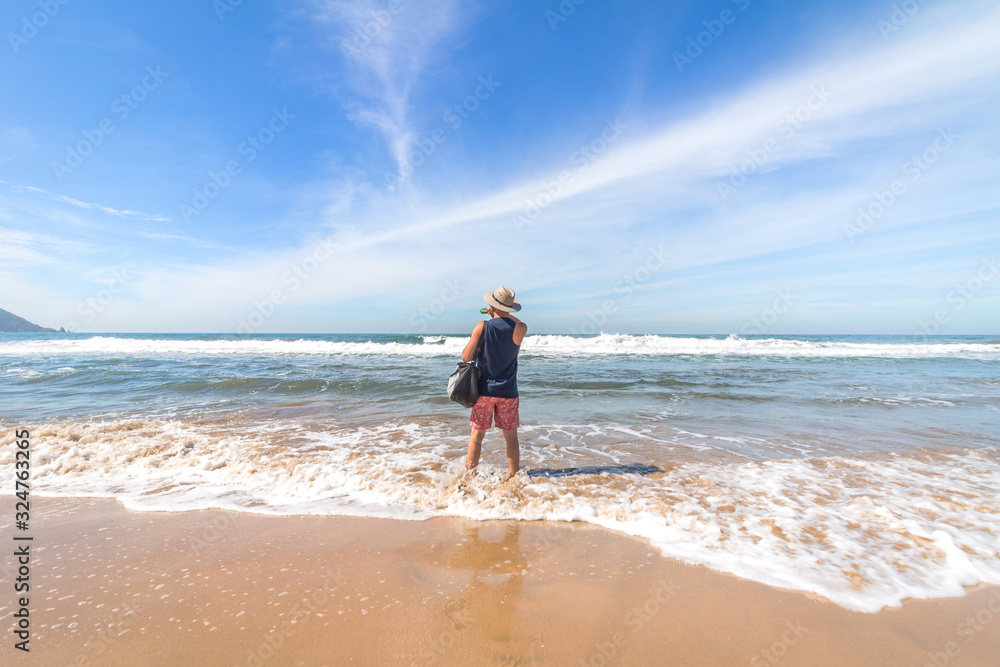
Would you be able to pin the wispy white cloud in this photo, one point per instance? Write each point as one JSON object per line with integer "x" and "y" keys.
{"x": 879, "y": 104}
{"x": 121, "y": 213}
{"x": 182, "y": 239}
{"x": 931, "y": 75}
{"x": 919, "y": 82}
{"x": 20, "y": 247}
{"x": 936, "y": 73}
{"x": 386, "y": 48}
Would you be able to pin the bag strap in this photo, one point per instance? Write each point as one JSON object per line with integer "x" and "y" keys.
{"x": 479, "y": 345}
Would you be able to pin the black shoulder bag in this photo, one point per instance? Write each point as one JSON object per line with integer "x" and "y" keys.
{"x": 463, "y": 385}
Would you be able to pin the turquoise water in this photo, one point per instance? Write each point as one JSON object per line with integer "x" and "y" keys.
{"x": 808, "y": 462}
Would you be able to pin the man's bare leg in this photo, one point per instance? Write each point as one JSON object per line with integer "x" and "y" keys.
{"x": 513, "y": 451}
{"x": 475, "y": 448}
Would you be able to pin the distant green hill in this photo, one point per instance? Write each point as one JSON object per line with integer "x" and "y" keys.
{"x": 9, "y": 322}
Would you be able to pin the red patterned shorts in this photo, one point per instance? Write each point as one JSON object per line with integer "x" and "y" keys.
{"x": 504, "y": 408}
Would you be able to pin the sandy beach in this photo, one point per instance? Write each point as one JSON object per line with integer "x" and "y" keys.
{"x": 726, "y": 277}
{"x": 116, "y": 587}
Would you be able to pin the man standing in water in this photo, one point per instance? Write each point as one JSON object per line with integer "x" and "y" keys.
{"x": 502, "y": 336}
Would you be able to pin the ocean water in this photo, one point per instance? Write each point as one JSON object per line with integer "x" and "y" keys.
{"x": 864, "y": 469}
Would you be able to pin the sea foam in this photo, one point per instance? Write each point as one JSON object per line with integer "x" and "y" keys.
{"x": 533, "y": 345}
{"x": 864, "y": 532}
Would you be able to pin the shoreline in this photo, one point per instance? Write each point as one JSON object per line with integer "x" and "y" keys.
{"x": 114, "y": 586}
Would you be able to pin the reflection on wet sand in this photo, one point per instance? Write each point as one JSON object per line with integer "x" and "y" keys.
{"x": 488, "y": 606}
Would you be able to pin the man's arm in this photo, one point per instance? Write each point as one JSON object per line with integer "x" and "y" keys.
{"x": 470, "y": 347}
{"x": 520, "y": 329}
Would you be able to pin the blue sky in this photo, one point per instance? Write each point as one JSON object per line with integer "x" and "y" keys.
{"x": 313, "y": 166}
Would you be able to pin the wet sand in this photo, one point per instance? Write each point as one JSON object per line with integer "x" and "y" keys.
{"x": 116, "y": 587}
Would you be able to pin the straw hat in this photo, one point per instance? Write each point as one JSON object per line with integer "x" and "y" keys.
{"x": 503, "y": 299}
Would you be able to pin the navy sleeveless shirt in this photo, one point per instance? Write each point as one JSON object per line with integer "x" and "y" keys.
{"x": 498, "y": 360}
